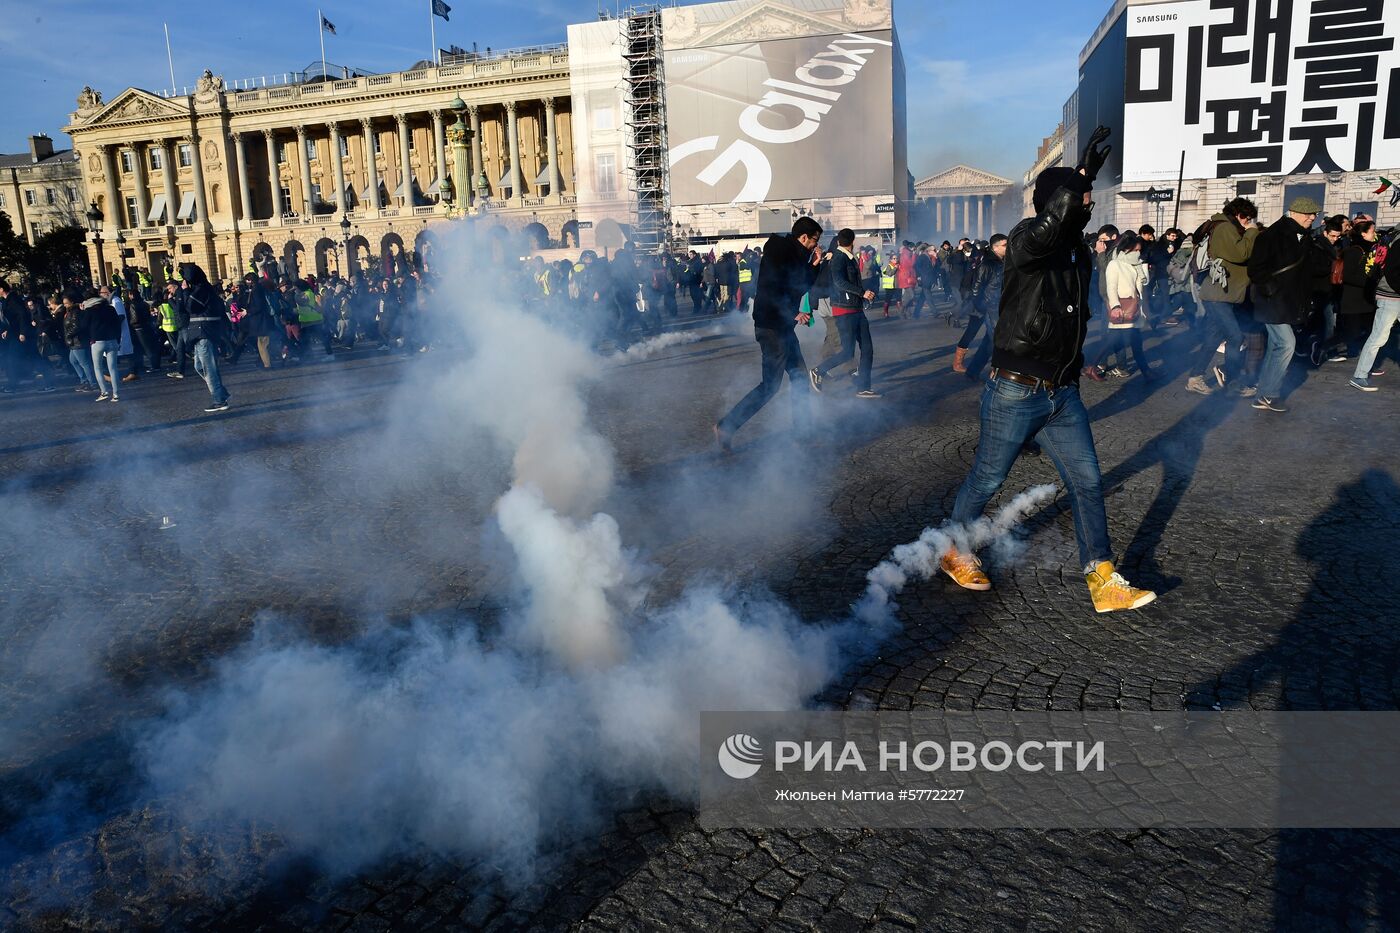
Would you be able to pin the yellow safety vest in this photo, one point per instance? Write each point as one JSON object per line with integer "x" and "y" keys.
{"x": 887, "y": 277}
{"x": 167, "y": 318}
{"x": 745, "y": 273}
{"x": 307, "y": 312}
{"x": 543, "y": 280}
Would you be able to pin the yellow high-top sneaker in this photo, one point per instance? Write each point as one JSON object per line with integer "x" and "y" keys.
{"x": 1112, "y": 593}
{"x": 965, "y": 569}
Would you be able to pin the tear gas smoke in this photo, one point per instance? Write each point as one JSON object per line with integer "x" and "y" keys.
{"x": 918, "y": 560}
{"x": 490, "y": 748}
{"x": 646, "y": 349}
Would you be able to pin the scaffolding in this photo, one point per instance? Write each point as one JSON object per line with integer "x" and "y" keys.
{"x": 648, "y": 160}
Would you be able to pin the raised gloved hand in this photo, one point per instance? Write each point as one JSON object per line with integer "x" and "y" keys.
{"x": 1095, "y": 153}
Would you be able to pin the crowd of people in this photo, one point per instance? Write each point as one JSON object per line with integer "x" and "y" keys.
{"x": 1259, "y": 295}
{"x": 189, "y": 320}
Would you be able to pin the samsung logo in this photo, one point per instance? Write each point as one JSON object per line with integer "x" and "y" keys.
{"x": 1157, "y": 18}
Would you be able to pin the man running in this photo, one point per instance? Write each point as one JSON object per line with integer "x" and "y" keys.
{"x": 788, "y": 269}
{"x": 1034, "y": 390}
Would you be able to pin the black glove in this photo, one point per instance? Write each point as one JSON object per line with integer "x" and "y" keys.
{"x": 1095, "y": 153}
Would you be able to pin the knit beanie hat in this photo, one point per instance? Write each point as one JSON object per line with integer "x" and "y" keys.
{"x": 1053, "y": 179}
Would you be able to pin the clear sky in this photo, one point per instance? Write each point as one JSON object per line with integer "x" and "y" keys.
{"x": 986, "y": 80}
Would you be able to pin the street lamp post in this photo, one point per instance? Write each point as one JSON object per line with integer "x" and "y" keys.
{"x": 94, "y": 219}
{"x": 345, "y": 242}
{"x": 121, "y": 253}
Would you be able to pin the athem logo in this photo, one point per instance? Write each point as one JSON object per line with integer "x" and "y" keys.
{"x": 741, "y": 756}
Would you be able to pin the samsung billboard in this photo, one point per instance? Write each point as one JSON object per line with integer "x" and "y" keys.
{"x": 802, "y": 108}
{"x": 1261, "y": 87}
{"x": 782, "y": 119}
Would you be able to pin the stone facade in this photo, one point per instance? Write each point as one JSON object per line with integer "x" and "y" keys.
{"x": 222, "y": 174}
{"x": 42, "y": 189}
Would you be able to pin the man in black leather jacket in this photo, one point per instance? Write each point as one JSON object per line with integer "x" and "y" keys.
{"x": 1034, "y": 390}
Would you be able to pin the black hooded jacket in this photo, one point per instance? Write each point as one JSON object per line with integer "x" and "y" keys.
{"x": 786, "y": 273}
{"x": 201, "y": 305}
{"x": 1045, "y": 290}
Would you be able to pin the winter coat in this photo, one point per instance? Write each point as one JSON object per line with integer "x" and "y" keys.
{"x": 1126, "y": 277}
{"x": 1280, "y": 273}
{"x": 923, "y": 270}
{"x": 74, "y": 332}
{"x": 846, "y": 292}
{"x": 102, "y": 321}
{"x": 1233, "y": 247}
{"x": 1358, "y": 289}
{"x": 987, "y": 285}
{"x": 787, "y": 272}
{"x": 906, "y": 277}
{"x": 1045, "y": 292}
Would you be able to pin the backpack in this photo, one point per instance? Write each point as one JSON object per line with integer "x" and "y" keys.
{"x": 1203, "y": 266}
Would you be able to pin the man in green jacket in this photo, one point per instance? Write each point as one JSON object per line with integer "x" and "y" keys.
{"x": 1224, "y": 286}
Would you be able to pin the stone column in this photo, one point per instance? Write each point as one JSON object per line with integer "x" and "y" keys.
{"x": 116, "y": 210}
{"x": 552, "y": 145}
{"x": 143, "y": 204}
{"x": 474, "y": 112}
{"x": 370, "y": 165}
{"x": 992, "y": 213}
{"x": 338, "y": 165}
{"x": 513, "y": 131}
{"x": 937, "y": 215}
{"x": 405, "y": 164}
{"x": 201, "y": 204}
{"x": 167, "y": 171}
{"x": 441, "y": 149}
{"x": 245, "y": 192}
{"x": 309, "y": 210}
{"x": 274, "y": 179}
{"x": 981, "y": 217}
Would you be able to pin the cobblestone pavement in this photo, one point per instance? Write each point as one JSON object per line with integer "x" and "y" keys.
{"x": 1271, "y": 538}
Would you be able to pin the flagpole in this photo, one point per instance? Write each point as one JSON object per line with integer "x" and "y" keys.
{"x": 169, "y": 59}
{"x": 432, "y": 25}
{"x": 321, "y": 30}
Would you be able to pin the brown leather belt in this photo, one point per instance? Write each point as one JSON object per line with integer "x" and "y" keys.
{"x": 1021, "y": 379}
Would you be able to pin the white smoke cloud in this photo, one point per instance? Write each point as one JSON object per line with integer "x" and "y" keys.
{"x": 919, "y": 559}
{"x": 651, "y": 346}
{"x": 489, "y": 742}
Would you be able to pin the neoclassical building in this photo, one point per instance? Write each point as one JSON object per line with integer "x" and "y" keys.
{"x": 221, "y": 174}
{"x": 966, "y": 202}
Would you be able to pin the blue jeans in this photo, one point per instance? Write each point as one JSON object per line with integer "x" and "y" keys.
{"x": 206, "y": 363}
{"x": 781, "y": 354}
{"x": 105, "y": 351}
{"x": 1013, "y": 414}
{"x": 80, "y": 358}
{"x": 1387, "y": 311}
{"x": 855, "y": 330}
{"x": 1281, "y": 345}
{"x": 1221, "y": 324}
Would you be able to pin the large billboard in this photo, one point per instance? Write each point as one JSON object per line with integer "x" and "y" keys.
{"x": 1261, "y": 87}
{"x": 802, "y": 110}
